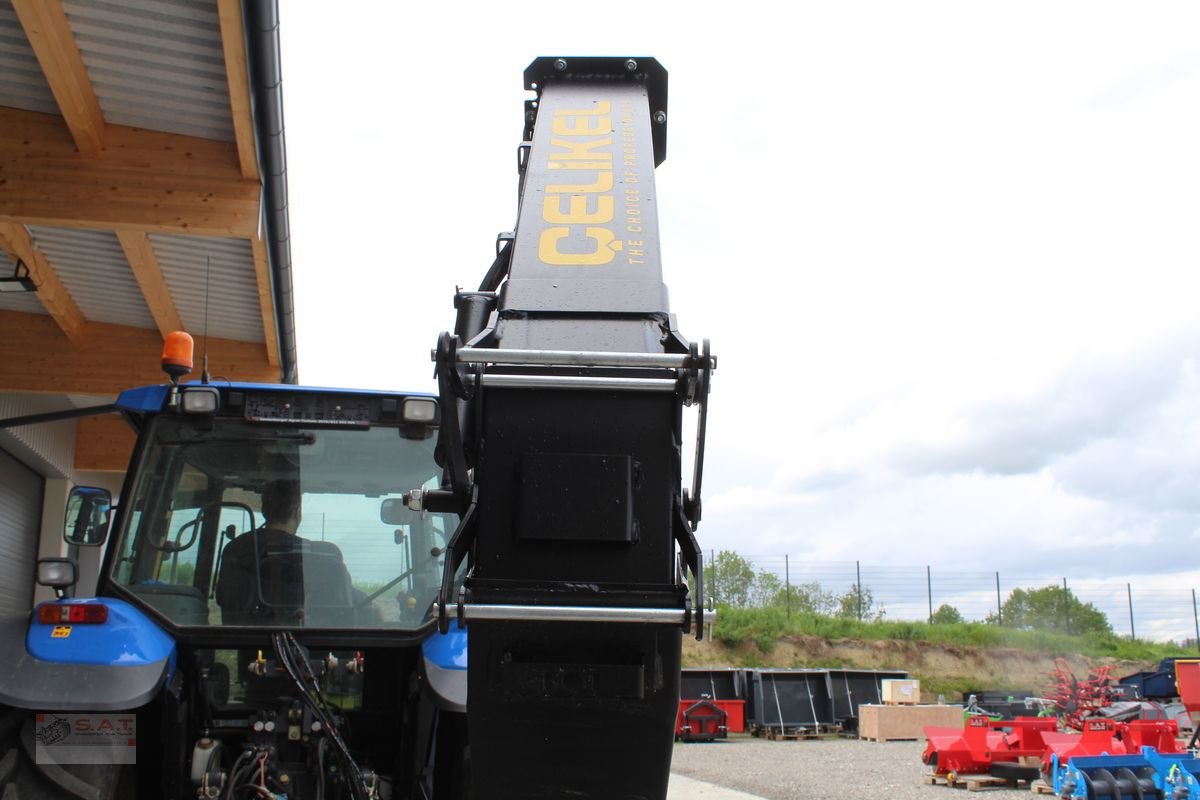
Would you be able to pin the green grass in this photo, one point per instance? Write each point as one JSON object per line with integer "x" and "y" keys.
{"x": 766, "y": 626}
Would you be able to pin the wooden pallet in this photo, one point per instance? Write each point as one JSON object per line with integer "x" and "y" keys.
{"x": 976, "y": 783}
{"x": 1041, "y": 787}
{"x": 889, "y": 738}
{"x": 793, "y": 734}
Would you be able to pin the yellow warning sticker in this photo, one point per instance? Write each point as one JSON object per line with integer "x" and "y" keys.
{"x": 60, "y": 632}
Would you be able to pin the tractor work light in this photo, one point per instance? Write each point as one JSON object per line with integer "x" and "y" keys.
{"x": 73, "y": 613}
{"x": 20, "y": 280}
{"x": 201, "y": 400}
{"x": 57, "y": 573}
{"x": 420, "y": 410}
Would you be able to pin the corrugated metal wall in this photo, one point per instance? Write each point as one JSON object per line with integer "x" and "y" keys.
{"x": 22, "y": 84}
{"x": 48, "y": 448}
{"x": 227, "y": 266}
{"x": 156, "y": 64}
{"x": 20, "y": 529}
{"x": 96, "y": 272}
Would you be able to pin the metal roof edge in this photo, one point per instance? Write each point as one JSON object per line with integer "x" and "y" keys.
{"x": 261, "y": 20}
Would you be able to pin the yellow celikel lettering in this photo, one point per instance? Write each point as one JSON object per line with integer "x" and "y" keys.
{"x": 606, "y": 248}
{"x": 577, "y": 212}
{"x": 583, "y": 145}
{"x": 602, "y": 184}
{"x": 582, "y": 151}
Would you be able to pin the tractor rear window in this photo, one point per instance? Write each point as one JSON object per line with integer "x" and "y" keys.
{"x": 269, "y": 525}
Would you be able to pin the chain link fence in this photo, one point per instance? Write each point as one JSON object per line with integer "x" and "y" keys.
{"x": 1153, "y": 609}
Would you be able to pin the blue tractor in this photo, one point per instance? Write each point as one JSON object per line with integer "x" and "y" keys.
{"x": 263, "y": 622}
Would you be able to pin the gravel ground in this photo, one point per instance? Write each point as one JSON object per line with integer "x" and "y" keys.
{"x": 827, "y": 769}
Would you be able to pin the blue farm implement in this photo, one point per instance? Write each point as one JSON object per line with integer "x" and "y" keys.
{"x": 1148, "y": 774}
{"x": 1106, "y": 737}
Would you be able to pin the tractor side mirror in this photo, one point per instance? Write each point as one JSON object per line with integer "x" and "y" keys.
{"x": 392, "y": 511}
{"x": 88, "y": 510}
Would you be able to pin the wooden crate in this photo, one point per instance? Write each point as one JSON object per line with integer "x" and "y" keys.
{"x": 885, "y": 723}
{"x": 900, "y": 691}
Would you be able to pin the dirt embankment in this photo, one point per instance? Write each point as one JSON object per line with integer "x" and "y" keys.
{"x": 942, "y": 668}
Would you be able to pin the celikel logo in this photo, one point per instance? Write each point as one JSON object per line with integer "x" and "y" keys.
{"x": 53, "y": 732}
{"x": 594, "y": 156}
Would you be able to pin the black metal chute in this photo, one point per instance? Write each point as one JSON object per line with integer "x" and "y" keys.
{"x": 562, "y": 393}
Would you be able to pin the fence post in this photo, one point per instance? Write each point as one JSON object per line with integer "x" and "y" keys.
{"x": 787, "y": 584}
{"x": 999, "y": 608}
{"x": 1196, "y": 618}
{"x": 1129, "y": 592}
{"x": 929, "y": 587}
{"x": 858, "y": 586}
{"x": 1067, "y": 605}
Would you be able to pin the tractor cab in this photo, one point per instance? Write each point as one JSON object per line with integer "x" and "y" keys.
{"x": 281, "y": 508}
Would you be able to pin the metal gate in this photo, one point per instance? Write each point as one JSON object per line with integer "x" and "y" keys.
{"x": 20, "y": 528}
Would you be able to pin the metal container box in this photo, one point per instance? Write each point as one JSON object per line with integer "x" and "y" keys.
{"x": 716, "y": 683}
{"x": 790, "y": 699}
{"x": 855, "y": 687}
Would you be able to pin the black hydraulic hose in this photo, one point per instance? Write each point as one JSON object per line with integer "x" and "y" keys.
{"x": 321, "y": 745}
{"x": 234, "y": 772}
{"x": 289, "y": 652}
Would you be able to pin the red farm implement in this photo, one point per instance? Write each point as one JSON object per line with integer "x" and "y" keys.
{"x": 1187, "y": 682}
{"x": 705, "y": 720}
{"x": 983, "y": 743}
{"x": 1074, "y": 700}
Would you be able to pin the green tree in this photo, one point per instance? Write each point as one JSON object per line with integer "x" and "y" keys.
{"x": 768, "y": 590}
{"x": 810, "y": 598}
{"x": 732, "y": 579}
{"x": 946, "y": 614}
{"x": 1052, "y": 608}
{"x": 853, "y": 606}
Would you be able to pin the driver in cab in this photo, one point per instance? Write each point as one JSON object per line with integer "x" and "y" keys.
{"x": 270, "y": 575}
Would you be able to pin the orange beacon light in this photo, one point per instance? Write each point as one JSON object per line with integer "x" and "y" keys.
{"x": 177, "y": 355}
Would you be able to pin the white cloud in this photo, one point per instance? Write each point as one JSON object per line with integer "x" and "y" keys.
{"x": 945, "y": 252}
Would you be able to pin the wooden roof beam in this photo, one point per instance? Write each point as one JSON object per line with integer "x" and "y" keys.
{"x": 16, "y": 241}
{"x": 112, "y": 358}
{"x": 237, "y": 75}
{"x": 266, "y": 300}
{"x": 148, "y": 274}
{"x": 144, "y": 181}
{"x": 53, "y": 43}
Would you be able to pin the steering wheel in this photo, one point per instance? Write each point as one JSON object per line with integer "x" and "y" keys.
{"x": 371, "y": 597}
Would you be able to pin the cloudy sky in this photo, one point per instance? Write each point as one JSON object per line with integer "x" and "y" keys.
{"x": 946, "y": 252}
